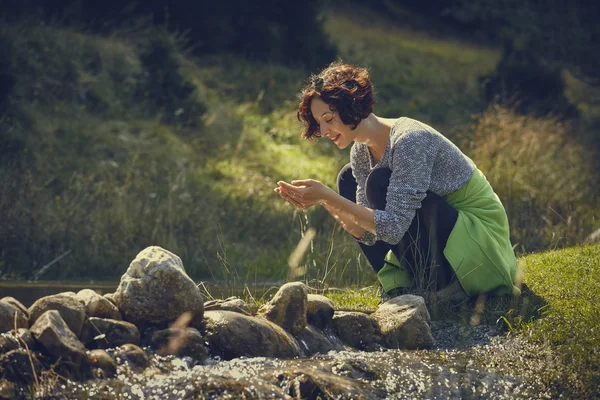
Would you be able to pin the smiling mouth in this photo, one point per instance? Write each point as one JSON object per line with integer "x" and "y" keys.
{"x": 336, "y": 138}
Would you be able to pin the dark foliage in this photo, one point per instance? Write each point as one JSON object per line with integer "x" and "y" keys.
{"x": 528, "y": 86}
{"x": 269, "y": 30}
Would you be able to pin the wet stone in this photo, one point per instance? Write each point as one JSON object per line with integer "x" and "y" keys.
{"x": 357, "y": 330}
{"x": 134, "y": 355}
{"x": 180, "y": 342}
{"x": 16, "y": 366}
{"x": 102, "y": 361}
{"x": 319, "y": 311}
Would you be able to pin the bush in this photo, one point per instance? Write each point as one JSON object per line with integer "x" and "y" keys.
{"x": 528, "y": 86}
{"x": 545, "y": 179}
{"x": 268, "y": 30}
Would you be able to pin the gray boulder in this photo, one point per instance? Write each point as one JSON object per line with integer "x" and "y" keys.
{"x": 52, "y": 332}
{"x": 404, "y": 322}
{"x": 231, "y": 335}
{"x": 319, "y": 311}
{"x": 17, "y": 304}
{"x": 156, "y": 290}
{"x": 357, "y": 329}
{"x": 179, "y": 342}
{"x": 71, "y": 309}
{"x": 98, "y": 306}
{"x": 8, "y": 312}
{"x": 313, "y": 341}
{"x": 288, "y": 307}
{"x": 109, "y": 333}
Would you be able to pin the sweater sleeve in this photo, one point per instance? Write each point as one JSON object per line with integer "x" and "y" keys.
{"x": 411, "y": 162}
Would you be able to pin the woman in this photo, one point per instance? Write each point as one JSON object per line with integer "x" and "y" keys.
{"x": 425, "y": 217}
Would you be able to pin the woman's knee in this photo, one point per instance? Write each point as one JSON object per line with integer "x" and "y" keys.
{"x": 377, "y": 186}
{"x": 346, "y": 183}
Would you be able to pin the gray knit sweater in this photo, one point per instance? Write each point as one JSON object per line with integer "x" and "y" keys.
{"x": 420, "y": 159}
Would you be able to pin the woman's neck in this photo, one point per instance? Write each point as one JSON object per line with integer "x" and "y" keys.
{"x": 374, "y": 131}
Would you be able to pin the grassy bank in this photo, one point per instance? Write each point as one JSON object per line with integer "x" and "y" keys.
{"x": 555, "y": 322}
{"x": 112, "y": 144}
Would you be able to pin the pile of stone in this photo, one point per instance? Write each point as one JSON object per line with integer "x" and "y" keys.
{"x": 158, "y": 309}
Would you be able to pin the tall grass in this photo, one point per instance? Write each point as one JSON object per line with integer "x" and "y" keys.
{"x": 545, "y": 178}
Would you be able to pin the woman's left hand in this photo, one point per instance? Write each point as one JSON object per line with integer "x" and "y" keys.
{"x": 303, "y": 194}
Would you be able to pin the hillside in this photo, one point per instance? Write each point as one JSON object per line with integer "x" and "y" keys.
{"x": 111, "y": 144}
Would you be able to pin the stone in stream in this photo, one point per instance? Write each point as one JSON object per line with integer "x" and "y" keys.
{"x": 11, "y": 315}
{"x": 357, "y": 329}
{"x": 187, "y": 342}
{"x": 52, "y": 332}
{"x": 231, "y": 335}
{"x": 134, "y": 355}
{"x": 102, "y": 363}
{"x": 156, "y": 290}
{"x": 288, "y": 307}
{"x": 404, "y": 322}
{"x": 16, "y": 366}
{"x": 313, "y": 341}
{"x": 104, "y": 333}
{"x": 68, "y": 305}
{"x": 319, "y": 311}
{"x": 10, "y": 341}
{"x": 98, "y": 306}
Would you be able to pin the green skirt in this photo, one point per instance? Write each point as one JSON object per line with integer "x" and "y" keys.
{"x": 479, "y": 248}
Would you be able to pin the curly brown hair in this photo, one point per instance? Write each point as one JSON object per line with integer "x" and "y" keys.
{"x": 345, "y": 88}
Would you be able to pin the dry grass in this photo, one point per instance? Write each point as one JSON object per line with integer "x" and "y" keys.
{"x": 545, "y": 178}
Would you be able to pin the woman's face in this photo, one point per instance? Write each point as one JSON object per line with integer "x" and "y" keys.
{"x": 330, "y": 124}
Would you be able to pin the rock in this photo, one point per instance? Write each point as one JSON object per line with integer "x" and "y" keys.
{"x": 288, "y": 307}
{"x": 8, "y": 390}
{"x": 312, "y": 341}
{"x": 110, "y": 297}
{"x": 98, "y": 306}
{"x": 180, "y": 342}
{"x": 231, "y": 304}
{"x": 17, "y": 304}
{"x": 102, "y": 361}
{"x": 70, "y": 308}
{"x": 7, "y": 317}
{"x": 593, "y": 237}
{"x": 26, "y": 337}
{"x": 134, "y": 355}
{"x": 319, "y": 311}
{"x": 52, "y": 332}
{"x": 8, "y": 342}
{"x": 16, "y": 366}
{"x": 156, "y": 290}
{"x": 231, "y": 335}
{"x": 356, "y": 329}
{"x": 115, "y": 333}
{"x": 404, "y": 322}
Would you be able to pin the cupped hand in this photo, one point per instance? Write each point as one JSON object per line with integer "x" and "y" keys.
{"x": 302, "y": 194}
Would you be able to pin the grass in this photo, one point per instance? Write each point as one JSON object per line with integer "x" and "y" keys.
{"x": 556, "y": 319}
